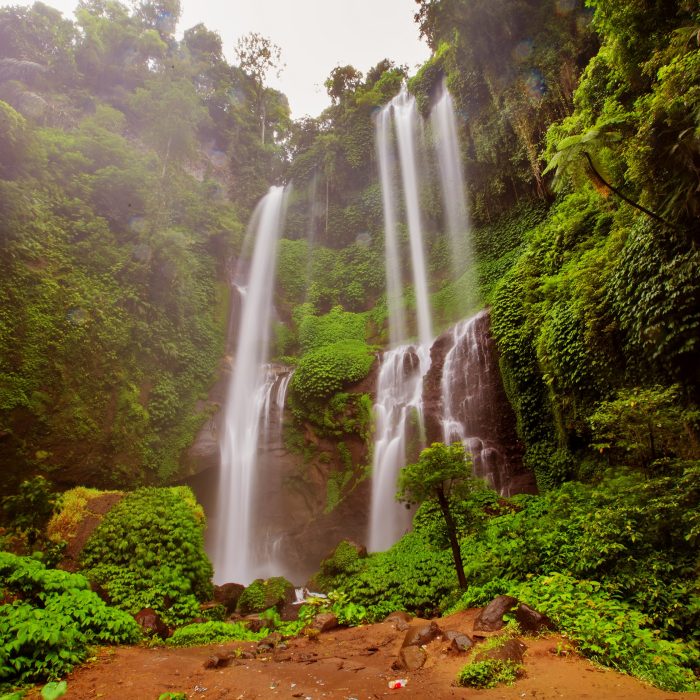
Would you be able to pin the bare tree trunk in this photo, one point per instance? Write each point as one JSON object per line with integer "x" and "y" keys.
{"x": 452, "y": 534}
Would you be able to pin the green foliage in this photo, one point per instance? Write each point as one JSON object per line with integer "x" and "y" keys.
{"x": 488, "y": 673}
{"x": 148, "y": 552}
{"x": 54, "y": 690}
{"x": 642, "y": 425}
{"x": 263, "y": 594}
{"x": 413, "y": 575}
{"x": 324, "y": 371}
{"x": 335, "y": 326}
{"x": 610, "y": 632}
{"x": 201, "y": 633}
{"x": 345, "y": 560}
{"x": 29, "y": 510}
{"x": 52, "y": 621}
{"x": 440, "y": 469}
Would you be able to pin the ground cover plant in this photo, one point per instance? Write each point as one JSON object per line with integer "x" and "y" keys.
{"x": 51, "y": 620}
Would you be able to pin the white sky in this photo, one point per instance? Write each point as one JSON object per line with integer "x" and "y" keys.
{"x": 314, "y": 35}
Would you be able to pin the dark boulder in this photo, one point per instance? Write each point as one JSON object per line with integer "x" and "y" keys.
{"x": 151, "y": 623}
{"x": 411, "y": 658}
{"x": 459, "y": 642}
{"x": 490, "y": 619}
{"x": 324, "y": 622}
{"x": 531, "y": 621}
{"x": 218, "y": 661}
{"x": 399, "y": 620}
{"x": 511, "y": 650}
{"x": 227, "y": 595}
{"x": 417, "y": 636}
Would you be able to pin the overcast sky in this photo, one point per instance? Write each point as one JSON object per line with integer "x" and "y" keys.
{"x": 314, "y": 35}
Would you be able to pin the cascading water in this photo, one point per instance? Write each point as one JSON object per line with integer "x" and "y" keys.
{"x": 405, "y": 113}
{"x": 444, "y": 127}
{"x": 249, "y": 389}
{"x": 398, "y": 408}
{"x": 399, "y": 426}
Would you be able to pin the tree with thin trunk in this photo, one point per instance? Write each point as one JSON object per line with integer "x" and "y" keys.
{"x": 441, "y": 471}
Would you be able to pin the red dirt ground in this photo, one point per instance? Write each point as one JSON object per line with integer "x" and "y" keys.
{"x": 345, "y": 664}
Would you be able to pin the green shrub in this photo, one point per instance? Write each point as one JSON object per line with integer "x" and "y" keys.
{"x": 28, "y": 511}
{"x": 611, "y": 632}
{"x": 335, "y": 326}
{"x": 412, "y": 575}
{"x": 488, "y": 673}
{"x": 201, "y": 633}
{"x": 48, "y": 629}
{"x": 324, "y": 371}
{"x": 149, "y": 552}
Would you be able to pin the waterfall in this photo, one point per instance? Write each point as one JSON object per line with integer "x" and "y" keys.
{"x": 405, "y": 113}
{"x": 444, "y": 126}
{"x": 398, "y": 409}
{"x": 474, "y": 408}
{"x": 387, "y": 172}
{"x": 248, "y": 393}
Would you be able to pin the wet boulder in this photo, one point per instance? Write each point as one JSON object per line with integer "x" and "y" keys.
{"x": 411, "y": 658}
{"x": 324, "y": 622}
{"x": 512, "y": 649}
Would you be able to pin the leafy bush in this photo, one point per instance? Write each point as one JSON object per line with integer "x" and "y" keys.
{"x": 49, "y": 627}
{"x": 335, "y": 326}
{"x": 29, "y": 510}
{"x": 413, "y": 575}
{"x": 488, "y": 673}
{"x": 324, "y": 371}
{"x": 149, "y": 552}
{"x": 611, "y": 632}
{"x": 641, "y": 425}
{"x": 201, "y": 633}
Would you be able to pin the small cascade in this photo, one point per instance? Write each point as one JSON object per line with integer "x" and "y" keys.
{"x": 475, "y": 410}
{"x": 248, "y": 393}
{"x": 398, "y": 437}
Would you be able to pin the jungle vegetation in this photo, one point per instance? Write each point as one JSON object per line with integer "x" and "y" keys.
{"x": 129, "y": 163}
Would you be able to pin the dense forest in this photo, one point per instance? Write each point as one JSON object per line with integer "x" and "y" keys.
{"x": 131, "y": 161}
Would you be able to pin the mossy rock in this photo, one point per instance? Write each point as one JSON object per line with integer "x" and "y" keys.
{"x": 344, "y": 559}
{"x": 263, "y": 594}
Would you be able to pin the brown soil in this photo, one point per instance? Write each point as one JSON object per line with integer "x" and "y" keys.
{"x": 345, "y": 664}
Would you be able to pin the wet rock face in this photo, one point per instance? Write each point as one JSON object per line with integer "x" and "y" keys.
{"x": 464, "y": 399}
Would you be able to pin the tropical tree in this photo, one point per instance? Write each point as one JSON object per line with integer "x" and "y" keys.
{"x": 442, "y": 472}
